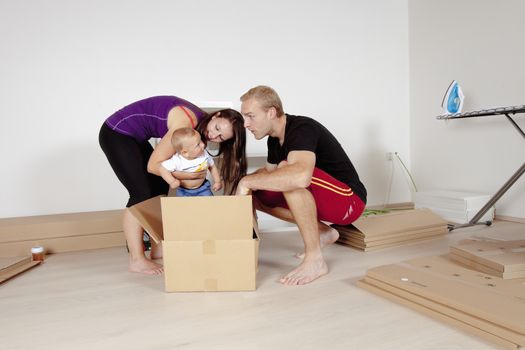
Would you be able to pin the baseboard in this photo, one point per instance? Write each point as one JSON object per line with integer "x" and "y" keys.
{"x": 407, "y": 205}
{"x": 93, "y": 230}
{"x": 61, "y": 232}
{"x": 410, "y": 205}
{"x": 509, "y": 218}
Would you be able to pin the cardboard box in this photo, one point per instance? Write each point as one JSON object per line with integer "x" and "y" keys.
{"x": 209, "y": 243}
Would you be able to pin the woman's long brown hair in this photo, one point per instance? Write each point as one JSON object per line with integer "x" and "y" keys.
{"x": 233, "y": 165}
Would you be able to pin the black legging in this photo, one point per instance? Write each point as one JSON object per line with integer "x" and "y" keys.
{"x": 129, "y": 160}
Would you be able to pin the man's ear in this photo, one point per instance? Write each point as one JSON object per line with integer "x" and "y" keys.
{"x": 272, "y": 112}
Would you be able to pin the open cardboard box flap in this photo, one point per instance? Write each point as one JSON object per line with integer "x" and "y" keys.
{"x": 148, "y": 213}
{"x": 208, "y": 223}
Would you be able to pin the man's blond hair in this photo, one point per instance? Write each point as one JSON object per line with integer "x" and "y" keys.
{"x": 180, "y": 136}
{"x": 266, "y": 96}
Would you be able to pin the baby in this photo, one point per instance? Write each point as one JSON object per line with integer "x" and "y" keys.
{"x": 190, "y": 157}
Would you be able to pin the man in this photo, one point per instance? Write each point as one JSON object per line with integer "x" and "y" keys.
{"x": 308, "y": 178}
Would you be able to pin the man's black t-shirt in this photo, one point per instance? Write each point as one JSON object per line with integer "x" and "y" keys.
{"x": 306, "y": 134}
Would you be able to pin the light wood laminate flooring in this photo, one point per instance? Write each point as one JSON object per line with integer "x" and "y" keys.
{"x": 88, "y": 300}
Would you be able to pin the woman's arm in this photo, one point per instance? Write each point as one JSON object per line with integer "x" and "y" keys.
{"x": 169, "y": 178}
{"x": 164, "y": 150}
{"x": 184, "y": 175}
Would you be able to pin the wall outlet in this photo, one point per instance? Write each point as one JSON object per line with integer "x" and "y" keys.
{"x": 389, "y": 155}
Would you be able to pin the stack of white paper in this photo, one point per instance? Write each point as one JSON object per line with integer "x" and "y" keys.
{"x": 453, "y": 206}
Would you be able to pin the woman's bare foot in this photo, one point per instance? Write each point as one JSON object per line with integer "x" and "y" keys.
{"x": 309, "y": 270}
{"x": 154, "y": 255}
{"x": 145, "y": 266}
{"x": 156, "y": 251}
{"x": 326, "y": 238}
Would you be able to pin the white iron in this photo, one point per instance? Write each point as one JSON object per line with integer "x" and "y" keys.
{"x": 453, "y": 100}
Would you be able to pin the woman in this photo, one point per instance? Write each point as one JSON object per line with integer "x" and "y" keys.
{"x": 124, "y": 139}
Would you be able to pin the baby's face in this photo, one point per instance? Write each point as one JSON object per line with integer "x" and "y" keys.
{"x": 193, "y": 146}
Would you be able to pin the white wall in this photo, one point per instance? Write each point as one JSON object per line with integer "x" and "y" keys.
{"x": 481, "y": 45}
{"x": 67, "y": 65}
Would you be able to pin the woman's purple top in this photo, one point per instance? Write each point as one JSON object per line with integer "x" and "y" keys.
{"x": 148, "y": 118}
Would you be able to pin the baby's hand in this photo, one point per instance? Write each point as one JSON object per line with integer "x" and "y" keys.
{"x": 217, "y": 186}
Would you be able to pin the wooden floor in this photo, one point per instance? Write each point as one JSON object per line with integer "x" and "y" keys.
{"x": 87, "y": 300}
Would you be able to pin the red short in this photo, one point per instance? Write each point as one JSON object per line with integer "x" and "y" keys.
{"x": 336, "y": 203}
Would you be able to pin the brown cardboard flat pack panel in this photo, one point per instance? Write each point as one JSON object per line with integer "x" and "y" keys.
{"x": 64, "y": 244}
{"x": 208, "y": 242}
{"x": 368, "y": 248}
{"x": 399, "y": 239}
{"x": 59, "y": 225}
{"x": 403, "y": 235}
{"x": 395, "y": 222}
{"x": 439, "y": 316}
{"x": 451, "y": 312}
{"x": 482, "y": 268}
{"x": 503, "y": 256}
{"x": 15, "y": 266}
{"x": 361, "y": 236}
{"x": 8, "y": 262}
{"x": 479, "y": 295}
{"x": 181, "y": 222}
{"x": 148, "y": 213}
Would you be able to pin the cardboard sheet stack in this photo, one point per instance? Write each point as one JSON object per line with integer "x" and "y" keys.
{"x": 392, "y": 229}
{"x": 504, "y": 259}
{"x": 487, "y": 306}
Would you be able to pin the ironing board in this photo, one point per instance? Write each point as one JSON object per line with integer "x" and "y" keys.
{"x": 506, "y": 111}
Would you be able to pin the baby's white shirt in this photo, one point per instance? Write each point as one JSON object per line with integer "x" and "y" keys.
{"x": 179, "y": 163}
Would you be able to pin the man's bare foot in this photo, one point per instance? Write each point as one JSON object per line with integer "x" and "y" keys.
{"x": 145, "y": 266}
{"x": 326, "y": 238}
{"x": 308, "y": 271}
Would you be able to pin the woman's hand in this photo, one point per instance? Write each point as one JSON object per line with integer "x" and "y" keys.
{"x": 182, "y": 175}
{"x": 174, "y": 184}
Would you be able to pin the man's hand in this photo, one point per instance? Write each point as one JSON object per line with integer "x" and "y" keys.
{"x": 242, "y": 189}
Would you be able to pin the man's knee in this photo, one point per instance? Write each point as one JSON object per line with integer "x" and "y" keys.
{"x": 269, "y": 199}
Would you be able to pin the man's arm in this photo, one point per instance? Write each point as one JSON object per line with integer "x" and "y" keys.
{"x": 267, "y": 169}
{"x": 295, "y": 173}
